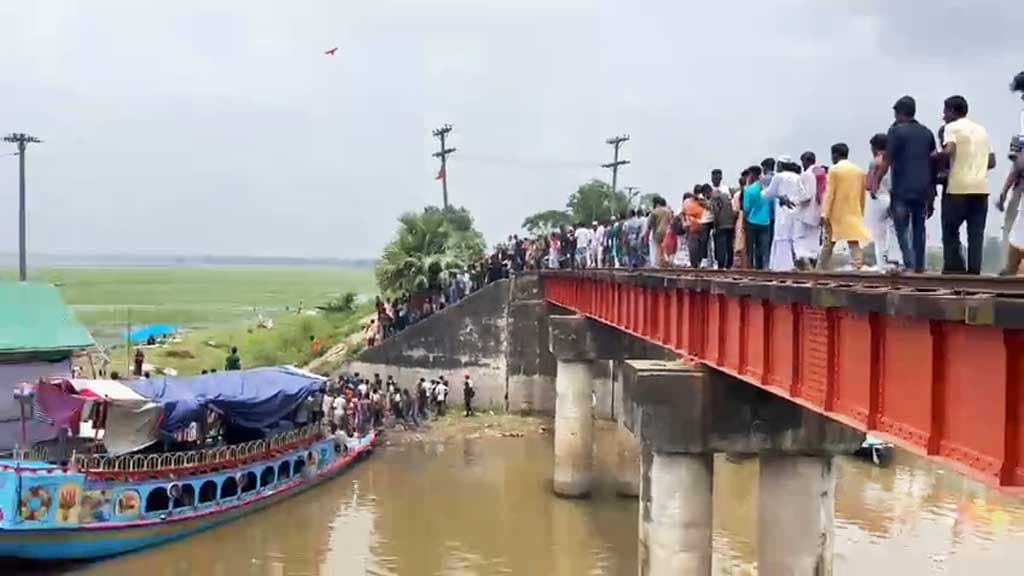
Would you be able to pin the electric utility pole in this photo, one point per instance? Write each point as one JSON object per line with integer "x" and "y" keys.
{"x": 22, "y": 141}
{"x": 616, "y": 142}
{"x": 631, "y": 193}
{"x": 442, "y": 135}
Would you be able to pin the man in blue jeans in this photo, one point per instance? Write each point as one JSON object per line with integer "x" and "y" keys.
{"x": 909, "y": 154}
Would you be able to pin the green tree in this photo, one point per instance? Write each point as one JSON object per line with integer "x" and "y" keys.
{"x": 596, "y": 200}
{"x": 428, "y": 246}
{"x": 546, "y": 222}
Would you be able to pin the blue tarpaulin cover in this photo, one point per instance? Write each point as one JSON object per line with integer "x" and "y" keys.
{"x": 257, "y": 398}
{"x": 157, "y": 331}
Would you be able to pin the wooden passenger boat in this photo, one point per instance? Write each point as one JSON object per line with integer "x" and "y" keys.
{"x": 94, "y": 506}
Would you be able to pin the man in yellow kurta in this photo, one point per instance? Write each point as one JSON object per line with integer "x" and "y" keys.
{"x": 842, "y": 211}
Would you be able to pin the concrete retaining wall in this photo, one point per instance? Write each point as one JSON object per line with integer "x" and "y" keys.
{"x": 497, "y": 335}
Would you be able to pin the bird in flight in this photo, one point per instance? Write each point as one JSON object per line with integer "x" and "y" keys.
{"x": 331, "y": 51}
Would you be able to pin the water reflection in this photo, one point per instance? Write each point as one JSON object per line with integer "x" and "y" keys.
{"x": 484, "y": 506}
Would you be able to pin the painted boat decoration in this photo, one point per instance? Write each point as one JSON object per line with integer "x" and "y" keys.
{"x": 97, "y": 505}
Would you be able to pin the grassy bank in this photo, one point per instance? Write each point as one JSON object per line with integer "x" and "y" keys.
{"x": 217, "y": 308}
{"x": 107, "y": 300}
{"x": 287, "y": 343}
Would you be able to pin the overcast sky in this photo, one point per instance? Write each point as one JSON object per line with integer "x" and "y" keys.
{"x": 220, "y": 127}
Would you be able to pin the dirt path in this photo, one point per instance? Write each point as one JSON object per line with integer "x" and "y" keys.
{"x": 338, "y": 353}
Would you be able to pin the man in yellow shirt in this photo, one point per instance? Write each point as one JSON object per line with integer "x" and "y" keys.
{"x": 842, "y": 210}
{"x": 969, "y": 150}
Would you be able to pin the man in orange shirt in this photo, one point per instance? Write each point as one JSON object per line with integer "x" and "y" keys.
{"x": 693, "y": 213}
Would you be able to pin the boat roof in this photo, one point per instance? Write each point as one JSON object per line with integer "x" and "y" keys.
{"x": 257, "y": 398}
{"x": 34, "y": 318}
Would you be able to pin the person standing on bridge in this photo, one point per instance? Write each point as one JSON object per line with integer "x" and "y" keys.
{"x": 843, "y": 210}
{"x": 787, "y": 192}
{"x": 807, "y": 226}
{"x": 966, "y": 144}
{"x": 632, "y": 238}
{"x": 879, "y": 215}
{"x": 909, "y": 151}
{"x": 741, "y": 258}
{"x": 758, "y": 212}
{"x": 659, "y": 223}
{"x": 723, "y": 221}
{"x": 1014, "y": 186}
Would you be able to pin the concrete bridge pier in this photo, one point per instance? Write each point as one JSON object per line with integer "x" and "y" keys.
{"x": 628, "y": 462}
{"x": 676, "y": 493}
{"x": 574, "y": 428}
{"x": 683, "y": 415}
{"x": 796, "y": 515}
{"x": 578, "y": 344}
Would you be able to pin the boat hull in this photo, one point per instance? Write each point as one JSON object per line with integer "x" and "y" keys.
{"x": 93, "y": 542}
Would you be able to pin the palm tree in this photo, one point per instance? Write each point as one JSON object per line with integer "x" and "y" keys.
{"x": 429, "y": 246}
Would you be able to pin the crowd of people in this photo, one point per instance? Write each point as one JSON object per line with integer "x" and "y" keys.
{"x": 788, "y": 214}
{"x": 355, "y": 405}
{"x": 397, "y": 314}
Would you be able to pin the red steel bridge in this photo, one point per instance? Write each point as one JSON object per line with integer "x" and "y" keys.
{"x": 934, "y": 364}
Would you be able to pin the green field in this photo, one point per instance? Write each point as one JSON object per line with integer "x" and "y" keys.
{"x": 217, "y": 307}
{"x": 106, "y": 300}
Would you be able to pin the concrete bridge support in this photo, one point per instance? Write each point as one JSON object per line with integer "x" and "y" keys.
{"x": 627, "y": 462}
{"x": 796, "y": 514}
{"x": 683, "y": 415}
{"x": 578, "y": 344}
{"x": 574, "y": 428}
{"x": 676, "y": 514}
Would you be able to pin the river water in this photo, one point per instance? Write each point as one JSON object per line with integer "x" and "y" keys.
{"x": 484, "y": 506}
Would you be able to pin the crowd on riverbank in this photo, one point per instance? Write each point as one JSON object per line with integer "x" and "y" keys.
{"x": 787, "y": 215}
{"x": 355, "y": 405}
{"x": 396, "y": 314}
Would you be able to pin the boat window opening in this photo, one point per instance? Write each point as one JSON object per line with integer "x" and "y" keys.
{"x": 248, "y": 482}
{"x": 299, "y": 465}
{"x": 157, "y": 500}
{"x": 284, "y": 471}
{"x": 229, "y": 489}
{"x": 267, "y": 477}
{"x": 187, "y": 498}
{"x": 207, "y": 492}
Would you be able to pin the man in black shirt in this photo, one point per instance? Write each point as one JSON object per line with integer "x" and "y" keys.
{"x": 909, "y": 155}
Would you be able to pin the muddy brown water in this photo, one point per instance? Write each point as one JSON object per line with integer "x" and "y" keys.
{"x": 484, "y": 506}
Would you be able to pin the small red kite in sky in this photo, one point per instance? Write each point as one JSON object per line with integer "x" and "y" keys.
{"x": 331, "y": 51}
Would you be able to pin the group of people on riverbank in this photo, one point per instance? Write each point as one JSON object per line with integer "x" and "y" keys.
{"x": 397, "y": 314}
{"x": 788, "y": 214}
{"x": 355, "y": 405}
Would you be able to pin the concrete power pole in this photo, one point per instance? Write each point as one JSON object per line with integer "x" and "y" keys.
{"x": 616, "y": 142}
{"x": 631, "y": 193}
{"x": 22, "y": 141}
{"x": 442, "y": 135}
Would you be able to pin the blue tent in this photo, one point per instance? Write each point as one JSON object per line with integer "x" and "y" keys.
{"x": 157, "y": 331}
{"x": 256, "y": 399}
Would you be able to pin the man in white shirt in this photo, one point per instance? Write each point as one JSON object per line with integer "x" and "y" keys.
{"x": 583, "y": 239}
{"x": 338, "y": 413}
{"x": 807, "y": 225}
{"x": 597, "y": 246}
{"x": 327, "y": 407}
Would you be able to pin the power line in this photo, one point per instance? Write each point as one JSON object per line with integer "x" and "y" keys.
{"x": 21, "y": 140}
{"x": 442, "y": 135}
{"x": 616, "y": 142}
